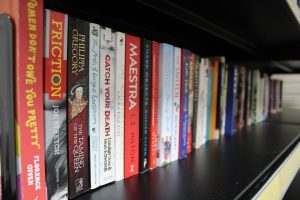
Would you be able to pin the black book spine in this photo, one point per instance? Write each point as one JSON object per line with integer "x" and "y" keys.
{"x": 196, "y": 94}
{"x": 8, "y": 181}
{"x": 221, "y": 69}
{"x": 145, "y": 92}
{"x": 78, "y": 90}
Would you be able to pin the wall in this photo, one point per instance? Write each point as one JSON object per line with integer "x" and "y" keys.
{"x": 291, "y": 90}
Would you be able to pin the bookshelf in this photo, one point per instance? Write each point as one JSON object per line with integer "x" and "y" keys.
{"x": 230, "y": 168}
{"x": 233, "y": 167}
{"x": 236, "y": 166}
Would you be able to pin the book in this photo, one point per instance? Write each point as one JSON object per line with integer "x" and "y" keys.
{"x": 184, "y": 103}
{"x": 224, "y": 99}
{"x": 240, "y": 100}
{"x": 214, "y": 133}
{"x": 132, "y": 105}
{"x": 107, "y": 108}
{"x": 166, "y": 67}
{"x": 119, "y": 105}
{"x": 195, "y": 101}
{"x": 29, "y": 130}
{"x": 202, "y": 102}
{"x": 94, "y": 105}
{"x": 231, "y": 99}
{"x": 220, "y": 96}
{"x": 176, "y": 104}
{"x": 55, "y": 104}
{"x": 191, "y": 103}
{"x": 154, "y": 105}
{"x": 78, "y": 96}
{"x": 8, "y": 181}
{"x": 255, "y": 96}
{"x": 247, "y": 105}
{"x": 145, "y": 103}
{"x": 208, "y": 99}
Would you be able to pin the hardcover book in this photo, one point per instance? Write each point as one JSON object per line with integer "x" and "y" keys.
{"x": 132, "y": 105}
{"x": 239, "y": 120}
{"x": 145, "y": 103}
{"x": 94, "y": 105}
{"x": 55, "y": 104}
{"x": 107, "y": 107}
{"x": 119, "y": 105}
{"x": 78, "y": 96}
{"x": 154, "y": 105}
{"x": 247, "y": 105}
{"x": 166, "y": 64}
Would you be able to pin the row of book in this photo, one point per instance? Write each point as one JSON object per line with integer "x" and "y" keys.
{"x": 108, "y": 105}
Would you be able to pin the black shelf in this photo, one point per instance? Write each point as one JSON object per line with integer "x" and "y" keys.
{"x": 293, "y": 192}
{"x": 264, "y": 34}
{"x": 234, "y": 166}
{"x": 288, "y": 116}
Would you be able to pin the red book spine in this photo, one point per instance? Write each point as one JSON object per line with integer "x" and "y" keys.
{"x": 154, "y": 105}
{"x": 29, "y": 100}
{"x": 132, "y": 106}
{"x": 191, "y": 99}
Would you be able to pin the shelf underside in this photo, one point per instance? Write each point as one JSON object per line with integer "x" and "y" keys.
{"x": 260, "y": 31}
{"x": 220, "y": 169}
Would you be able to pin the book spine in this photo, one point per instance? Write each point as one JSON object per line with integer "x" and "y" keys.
{"x": 215, "y": 73}
{"x": 247, "y": 108}
{"x": 254, "y": 97}
{"x": 145, "y": 92}
{"x": 119, "y": 105}
{"x": 195, "y": 101}
{"x": 94, "y": 105}
{"x": 176, "y": 104}
{"x": 8, "y": 172}
{"x": 184, "y": 104}
{"x": 55, "y": 104}
{"x": 107, "y": 110}
{"x": 230, "y": 103}
{"x": 78, "y": 92}
{"x": 239, "y": 121}
{"x": 205, "y": 73}
{"x": 209, "y": 100}
{"x": 191, "y": 103}
{"x": 29, "y": 100}
{"x": 199, "y": 123}
{"x": 154, "y": 105}
{"x": 224, "y": 98}
{"x": 165, "y": 108}
{"x": 132, "y": 106}
{"x": 221, "y": 72}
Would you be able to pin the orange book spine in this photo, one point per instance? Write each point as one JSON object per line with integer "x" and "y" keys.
{"x": 215, "y": 74}
{"x": 154, "y": 105}
{"x": 28, "y": 19}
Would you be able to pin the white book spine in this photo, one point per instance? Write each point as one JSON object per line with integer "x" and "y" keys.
{"x": 224, "y": 99}
{"x": 119, "y": 105}
{"x": 107, "y": 111}
{"x": 165, "y": 103}
{"x": 94, "y": 106}
{"x": 201, "y": 111}
{"x": 176, "y": 104}
{"x": 205, "y": 84}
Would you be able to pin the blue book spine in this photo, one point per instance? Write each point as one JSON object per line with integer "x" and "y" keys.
{"x": 184, "y": 102}
{"x": 230, "y": 103}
